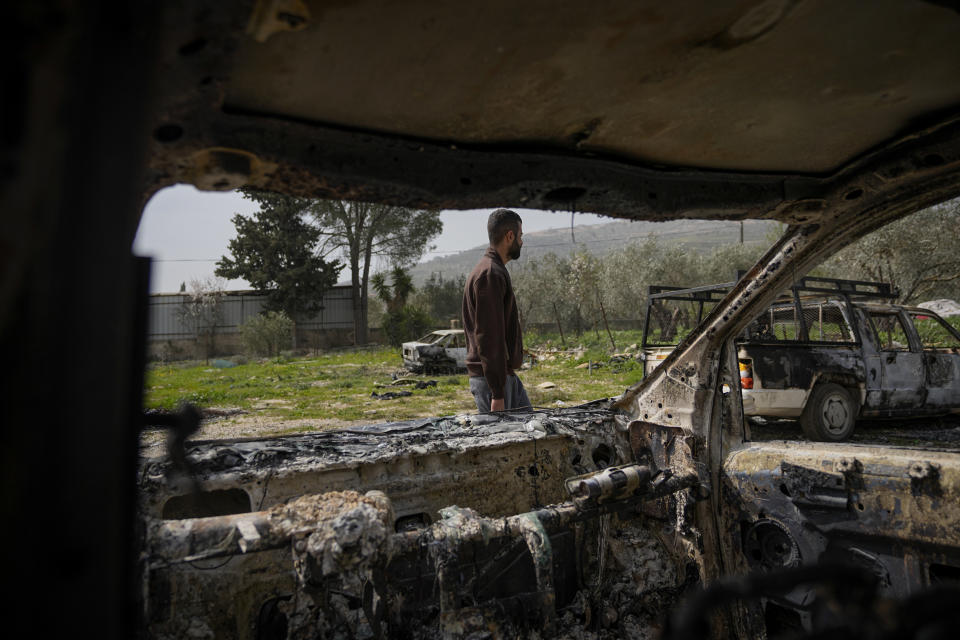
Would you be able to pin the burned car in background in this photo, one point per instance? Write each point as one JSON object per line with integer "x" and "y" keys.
{"x": 441, "y": 351}
{"x": 826, "y": 117}
{"x": 828, "y": 352}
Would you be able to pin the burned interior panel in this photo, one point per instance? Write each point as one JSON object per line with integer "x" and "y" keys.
{"x": 511, "y": 523}
{"x": 525, "y": 132}
{"x": 420, "y": 463}
{"x": 529, "y": 549}
{"x": 800, "y": 368}
{"x": 890, "y": 512}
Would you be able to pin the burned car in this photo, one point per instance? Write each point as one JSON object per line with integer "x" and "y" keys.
{"x": 830, "y": 351}
{"x": 441, "y": 351}
{"x": 660, "y": 511}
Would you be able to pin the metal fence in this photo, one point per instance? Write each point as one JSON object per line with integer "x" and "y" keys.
{"x": 165, "y": 320}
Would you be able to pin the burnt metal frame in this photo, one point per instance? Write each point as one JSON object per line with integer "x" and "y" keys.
{"x": 950, "y": 328}
{"x": 847, "y": 290}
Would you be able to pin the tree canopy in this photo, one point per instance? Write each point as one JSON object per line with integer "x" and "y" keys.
{"x": 402, "y": 321}
{"x": 276, "y": 251}
{"x": 442, "y": 298}
{"x": 918, "y": 255}
{"x": 362, "y": 230}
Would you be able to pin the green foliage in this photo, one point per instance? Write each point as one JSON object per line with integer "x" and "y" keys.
{"x": 442, "y": 299}
{"x": 917, "y": 254}
{"x": 576, "y": 291}
{"x": 361, "y": 230}
{"x": 334, "y": 389}
{"x": 397, "y": 233}
{"x": 267, "y": 334}
{"x": 396, "y": 293}
{"x": 276, "y": 252}
{"x": 405, "y": 324}
{"x": 402, "y": 321}
{"x": 535, "y": 339}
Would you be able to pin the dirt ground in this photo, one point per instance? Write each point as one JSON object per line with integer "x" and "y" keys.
{"x": 231, "y": 423}
{"x": 925, "y": 433}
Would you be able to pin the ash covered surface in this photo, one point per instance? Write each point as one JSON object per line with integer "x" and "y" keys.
{"x": 611, "y": 579}
{"x": 631, "y": 595}
{"x": 362, "y": 443}
{"x": 923, "y": 433}
{"x": 419, "y": 461}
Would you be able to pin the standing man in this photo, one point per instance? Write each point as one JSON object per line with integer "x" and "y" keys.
{"x": 491, "y": 320}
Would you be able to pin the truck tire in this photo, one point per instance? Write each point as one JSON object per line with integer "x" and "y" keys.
{"x": 830, "y": 413}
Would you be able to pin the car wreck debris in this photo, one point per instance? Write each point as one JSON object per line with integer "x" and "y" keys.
{"x": 366, "y": 565}
{"x": 343, "y": 549}
{"x": 390, "y": 395}
{"x": 443, "y": 351}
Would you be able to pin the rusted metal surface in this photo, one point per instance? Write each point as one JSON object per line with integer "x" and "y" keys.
{"x": 537, "y": 138}
{"x": 685, "y": 393}
{"x": 419, "y": 463}
{"x": 358, "y": 572}
{"x": 889, "y": 512}
{"x": 884, "y": 494}
{"x": 909, "y": 380}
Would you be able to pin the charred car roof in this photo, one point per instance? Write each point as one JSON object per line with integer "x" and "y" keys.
{"x": 636, "y": 110}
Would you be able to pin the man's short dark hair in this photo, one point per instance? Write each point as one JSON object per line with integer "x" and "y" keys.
{"x": 501, "y": 221}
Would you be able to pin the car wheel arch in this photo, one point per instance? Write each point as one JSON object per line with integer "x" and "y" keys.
{"x": 856, "y": 387}
{"x": 830, "y": 413}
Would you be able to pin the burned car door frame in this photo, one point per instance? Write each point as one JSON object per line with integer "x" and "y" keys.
{"x": 941, "y": 361}
{"x": 902, "y": 378}
{"x": 905, "y": 503}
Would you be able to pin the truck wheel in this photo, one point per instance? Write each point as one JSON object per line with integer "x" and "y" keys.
{"x": 830, "y": 413}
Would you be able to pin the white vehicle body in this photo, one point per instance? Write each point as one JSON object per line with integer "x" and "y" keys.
{"x": 438, "y": 350}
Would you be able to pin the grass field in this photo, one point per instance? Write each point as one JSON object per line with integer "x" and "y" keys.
{"x": 336, "y": 387}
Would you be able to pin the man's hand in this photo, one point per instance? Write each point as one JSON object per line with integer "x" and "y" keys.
{"x": 496, "y": 404}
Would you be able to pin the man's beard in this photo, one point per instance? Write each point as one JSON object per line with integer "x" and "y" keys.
{"x": 514, "y": 250}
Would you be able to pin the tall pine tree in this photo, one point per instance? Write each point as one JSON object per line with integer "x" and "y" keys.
{"x": 276, "y": 252}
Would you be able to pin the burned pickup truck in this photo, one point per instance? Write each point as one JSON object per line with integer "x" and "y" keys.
{"x": 830, "y": 351}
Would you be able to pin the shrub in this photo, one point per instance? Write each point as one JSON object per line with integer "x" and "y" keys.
{"x": 266, "y": 334}
{"x": 406, "y": 323}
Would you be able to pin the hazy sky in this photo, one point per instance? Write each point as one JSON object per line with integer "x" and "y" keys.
{"x": 186, "y": 231}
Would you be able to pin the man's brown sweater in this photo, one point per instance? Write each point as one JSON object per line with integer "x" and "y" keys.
{"x": 491, "y": 323}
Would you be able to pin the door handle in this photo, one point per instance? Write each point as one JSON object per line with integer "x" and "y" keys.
{"x": 891, "y": 358}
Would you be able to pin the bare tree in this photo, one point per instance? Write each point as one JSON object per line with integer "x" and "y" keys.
{"x": 363, "y": 230}
{"x": 202, "y": 311}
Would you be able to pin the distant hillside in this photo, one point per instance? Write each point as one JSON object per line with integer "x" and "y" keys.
{"x": 698, "y": 235}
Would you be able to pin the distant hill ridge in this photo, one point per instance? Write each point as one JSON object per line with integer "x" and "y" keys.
{"x": 698, "y": 235}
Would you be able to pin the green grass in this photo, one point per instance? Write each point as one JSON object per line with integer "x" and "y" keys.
{"x": 336, "y": 386}
{"x": 589, "y": 340}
